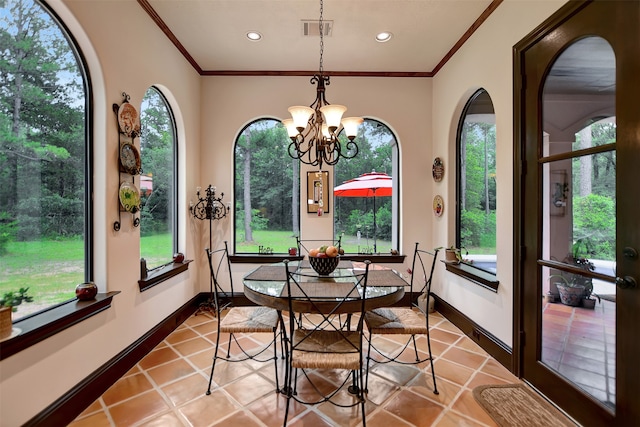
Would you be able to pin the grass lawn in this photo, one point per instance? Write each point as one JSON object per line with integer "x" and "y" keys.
{"x": 51, "y": 269}
{"x": 281, "y": 241}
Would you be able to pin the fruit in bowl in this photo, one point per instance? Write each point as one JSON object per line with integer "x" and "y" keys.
{"x": 327, "y": 251}
{"x": 324, "y": 265}
{"x": 324, "y": 259}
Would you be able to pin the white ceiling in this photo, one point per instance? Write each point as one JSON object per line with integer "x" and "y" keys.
{"x": 213, "y": 33}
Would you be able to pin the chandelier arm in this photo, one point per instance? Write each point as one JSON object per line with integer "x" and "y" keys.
{"x": 296, "y": 145}
{"x": 352, "y": 147}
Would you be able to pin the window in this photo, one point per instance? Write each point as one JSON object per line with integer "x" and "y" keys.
{"x": 367, "y": 221}
{"x": 45, "y": 236}
{"x": 158, "y": 216}
{"x": 267, "y": 190}
{"x": 476, "y": 180}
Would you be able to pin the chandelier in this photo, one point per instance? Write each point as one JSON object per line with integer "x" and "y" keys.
{"x": 314, "y": 130}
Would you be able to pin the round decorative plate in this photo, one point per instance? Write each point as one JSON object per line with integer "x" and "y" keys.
{"x": 129, "y": 119}
{"x": 438, "y": 169}
{"x": 130, "y": 158}
{"x": 129, "y": 196}
{"x": 438, "y": 205}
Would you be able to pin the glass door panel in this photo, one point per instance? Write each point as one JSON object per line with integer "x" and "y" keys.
{"x": 579, "y": 226}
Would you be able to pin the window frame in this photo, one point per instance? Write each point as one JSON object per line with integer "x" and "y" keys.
{"x": 54, "y": 319}
{"x": 252, "y": 257}
{"x": 469, "y": 271}
{"x": 395, "y": 198}
{"x": 160, "y": 273}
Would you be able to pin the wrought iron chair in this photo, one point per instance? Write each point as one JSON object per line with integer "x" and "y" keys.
{"x": 238, "y": 320}
{"x": 306, "y": 245}
{"x": 411, "y": 320}
{"x": 324, "y": 344}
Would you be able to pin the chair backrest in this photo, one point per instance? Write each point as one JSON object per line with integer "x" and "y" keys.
{"x": 304, "y": 246}
{"x": 422, "y": 267}
{"x": 307, "y": 293}
{"x": 218, "y": 262}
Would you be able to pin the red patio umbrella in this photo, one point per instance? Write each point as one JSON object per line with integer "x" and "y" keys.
{"x": 374, "y": 184}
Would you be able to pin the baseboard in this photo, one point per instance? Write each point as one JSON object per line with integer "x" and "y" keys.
{"x": 67, "y": 408}
{"x": 489, "y": 343}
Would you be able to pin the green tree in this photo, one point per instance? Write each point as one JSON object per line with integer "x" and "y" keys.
{"x": 41, "y": 126}
{"x": 478, "y": 187}
{"x": 375, "y": 154}
{"x": 157, "y": 148}
{"x": 264, "y": 178}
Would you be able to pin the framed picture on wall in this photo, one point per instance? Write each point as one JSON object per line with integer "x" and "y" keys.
{"x": 318, "y": 192}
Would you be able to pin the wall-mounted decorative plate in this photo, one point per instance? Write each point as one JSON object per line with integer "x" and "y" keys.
{"x": 130, "y": 159}
{"x": 129, "y": 196}
{"x": 438, "y": 205}
{"x": 438, "y": 169}
{"x": 129, "y": 120}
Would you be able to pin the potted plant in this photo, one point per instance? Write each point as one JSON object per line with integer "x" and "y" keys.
{"x": 570, "y": 293}
{"x": 452, "y": 255}
{"x": 581, "y": 250}
{"x": 8, "y": 304}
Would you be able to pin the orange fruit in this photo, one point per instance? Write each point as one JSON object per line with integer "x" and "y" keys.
{"x": 331, "y": 251}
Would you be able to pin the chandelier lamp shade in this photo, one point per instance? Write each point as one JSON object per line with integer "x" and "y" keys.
{"x": 314, "y": 130}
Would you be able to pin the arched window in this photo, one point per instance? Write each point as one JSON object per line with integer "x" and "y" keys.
{"x": 476, "y": 179}
{"x": 266, "y": 188}
{"x": 366, "y": 209}
{"x": 45, "y": 176}
{"x": 158, "y": 148}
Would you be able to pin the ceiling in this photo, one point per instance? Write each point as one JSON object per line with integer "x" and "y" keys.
{"x": 212, "y": 34}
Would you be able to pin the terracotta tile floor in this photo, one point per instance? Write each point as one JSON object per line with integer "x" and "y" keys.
{"x": 167, "y": 387}
{"x": 579, "y": 343}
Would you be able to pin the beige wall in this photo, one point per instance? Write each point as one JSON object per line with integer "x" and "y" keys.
{"x": 404, "y": 104}
{"x": 126, "y": 52}
{"x": 485, "y": 61}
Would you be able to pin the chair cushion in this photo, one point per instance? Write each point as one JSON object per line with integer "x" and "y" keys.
{"x": 395, "y": 321}
{"x": 249, "y": 319}
{"x": 323, "y": 349}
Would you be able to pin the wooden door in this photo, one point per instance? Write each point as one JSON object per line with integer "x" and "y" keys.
{"x": 578, "y": 144}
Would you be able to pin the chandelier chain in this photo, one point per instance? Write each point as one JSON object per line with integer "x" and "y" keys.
{"x": 321, "y": 27}
{"x": 314, "y": 130}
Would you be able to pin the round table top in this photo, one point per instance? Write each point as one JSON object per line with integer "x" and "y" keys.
{"x": 265, "y": 285}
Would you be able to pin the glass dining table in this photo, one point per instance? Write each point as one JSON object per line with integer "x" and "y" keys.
{"x": 266, "y": 286}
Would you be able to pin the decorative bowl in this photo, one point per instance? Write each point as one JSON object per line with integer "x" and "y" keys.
{"x": 86, "y": 291}
{"x": 324, "y": 266}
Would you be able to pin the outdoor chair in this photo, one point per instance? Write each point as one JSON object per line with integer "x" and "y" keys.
{"x": 240, "y": 320}
{"x": 325, "y": 345}
{"x": 410, "y": 320}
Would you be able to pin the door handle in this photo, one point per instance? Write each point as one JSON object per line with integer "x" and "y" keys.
{"x": 626, "y": 282}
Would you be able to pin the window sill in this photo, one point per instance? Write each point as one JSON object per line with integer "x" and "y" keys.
{"x": 375, "y": 258}
{"x": 262, "y": 259}
{"x": 41, "y": 326}
{"x": 161, "y": 274}
{"x": 270, "y": 259}
{"x": 475, "y": 275}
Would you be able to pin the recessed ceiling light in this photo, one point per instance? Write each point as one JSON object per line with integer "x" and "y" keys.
{"x": 254, "y": 36}
{"x": 383, "y": 37}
